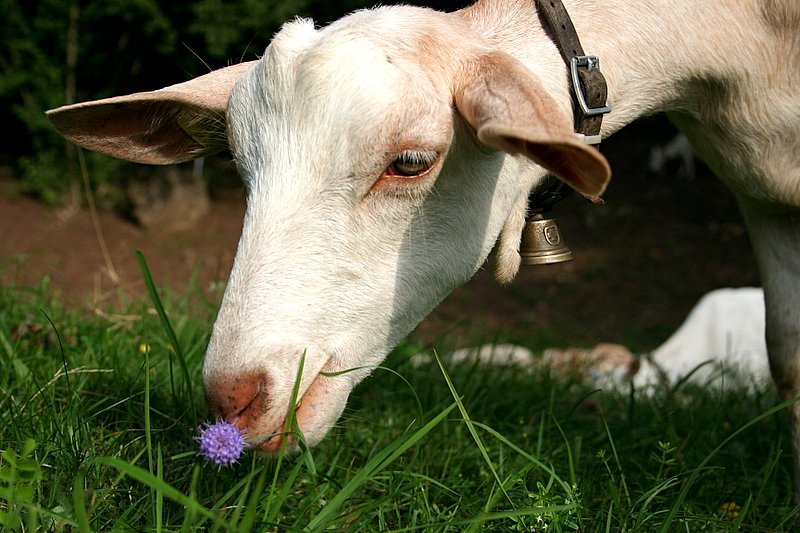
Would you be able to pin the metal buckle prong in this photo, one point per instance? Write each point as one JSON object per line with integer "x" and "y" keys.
{"x": 589, "y": 63}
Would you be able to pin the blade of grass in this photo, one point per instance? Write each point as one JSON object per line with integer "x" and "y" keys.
{"x": 252, "y": 503}
{"x": 159, "y": 495}
{"x": 378, "y": 462}
{"x": 573, "y": 477}
{"x": 622, "y": 479}
{"x": 609, "y": 515}
{"x": 79, "y": 503}
{"x": 283, "y": 494}
{"x": 471, "y": 427}
{"x": 165, "y": 323}
{"x": 737, "y": 525}
{"x": 547, "y": 468}
{"x": 238, "y": 506}
{"x": 510, "y": 480}
{"x": 288, "y": 430}
{"x": 489, "y": 517}
{"x": 149, "y": 480}
{"x": 240, "y": 489}
{"x": 188, "y": 516}
{"x": 148, "y": 436}
{"x": 673, "y": 512}
{"x": 98, "y": 228}
{"x": 6, "y": 344}
{"x": 63, "y": 354}
{"x": 644, "y": 515}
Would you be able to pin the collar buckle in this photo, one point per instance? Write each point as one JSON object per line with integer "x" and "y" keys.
{"x": 589, "y": 63}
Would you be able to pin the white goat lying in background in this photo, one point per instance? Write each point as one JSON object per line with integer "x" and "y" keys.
{"x": 386, "y": 154}
{"x": 722, "y": 336}
{"x": 724, "y": 331}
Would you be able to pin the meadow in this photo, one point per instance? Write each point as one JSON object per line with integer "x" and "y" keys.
{"x": 100, "y": 411}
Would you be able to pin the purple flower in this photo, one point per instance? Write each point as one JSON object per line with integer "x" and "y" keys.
{"x": 221, "y": 443}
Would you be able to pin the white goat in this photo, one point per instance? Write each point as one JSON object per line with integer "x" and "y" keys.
{"x": 724, "y": 332}
{"x": 386, "y": 155}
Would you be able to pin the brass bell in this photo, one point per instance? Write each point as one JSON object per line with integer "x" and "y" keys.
{"x": 542, "y": 243}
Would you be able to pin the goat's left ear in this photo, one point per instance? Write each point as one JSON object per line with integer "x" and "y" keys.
{"x": 510, "y": 110}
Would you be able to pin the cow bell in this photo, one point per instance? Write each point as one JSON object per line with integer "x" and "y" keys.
{"x": 542, "y": 243}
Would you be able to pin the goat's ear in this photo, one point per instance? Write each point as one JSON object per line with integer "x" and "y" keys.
{"x": 510, "y": 110}
{"x": 170, "y": 125}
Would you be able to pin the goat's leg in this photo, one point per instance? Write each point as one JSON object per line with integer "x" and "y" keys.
{"x": 775, "y": 233}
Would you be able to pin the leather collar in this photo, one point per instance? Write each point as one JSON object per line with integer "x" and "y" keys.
{"x": 587, "y": 87}
{"x": 587, "y": 83}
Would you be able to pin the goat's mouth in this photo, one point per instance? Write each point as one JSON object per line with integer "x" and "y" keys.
{"x": 271, "y": 427}
{"x": 286, "y": 435}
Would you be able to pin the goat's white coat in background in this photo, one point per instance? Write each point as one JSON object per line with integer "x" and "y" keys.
{"x": 340, "y": 257}
{"x": 720, "y": 343}
{"x": 724, "y": 331}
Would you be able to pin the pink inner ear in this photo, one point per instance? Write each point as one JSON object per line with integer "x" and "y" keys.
{"x": 171, "y": 125}
{"x": 581, "y": 166}
{"x": 139, "y": 130}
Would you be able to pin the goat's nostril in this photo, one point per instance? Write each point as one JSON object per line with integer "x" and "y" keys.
{"x": 241, "y": 398}
{"x": 256, "y": 401}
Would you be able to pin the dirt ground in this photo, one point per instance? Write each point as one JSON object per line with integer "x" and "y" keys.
{"x": 641, "y": 261}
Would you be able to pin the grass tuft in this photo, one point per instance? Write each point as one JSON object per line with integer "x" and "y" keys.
{"x": 96, "y": 434}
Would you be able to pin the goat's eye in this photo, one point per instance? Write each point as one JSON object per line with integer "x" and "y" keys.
{"x": 404, "y": 174}
{"x": 412, "y": 163}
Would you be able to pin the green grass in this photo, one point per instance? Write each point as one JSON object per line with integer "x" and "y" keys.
{"x": 98, "y": 412}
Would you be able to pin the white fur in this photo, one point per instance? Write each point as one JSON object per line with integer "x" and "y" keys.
{"x": 722, "y": 336}
{"x": 725, "y": 330}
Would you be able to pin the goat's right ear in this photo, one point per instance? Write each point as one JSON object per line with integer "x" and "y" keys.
{"x": 510, "y": 110}
{"x": 170, "y": 125}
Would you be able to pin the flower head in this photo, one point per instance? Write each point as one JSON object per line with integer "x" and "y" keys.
{"x": 221, "y": 443}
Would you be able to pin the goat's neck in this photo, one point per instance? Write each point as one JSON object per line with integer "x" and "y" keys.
{"x": 653, "y": 53}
